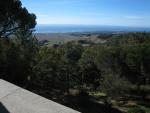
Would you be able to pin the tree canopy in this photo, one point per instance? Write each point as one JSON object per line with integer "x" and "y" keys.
{"x": 13, "y": 17}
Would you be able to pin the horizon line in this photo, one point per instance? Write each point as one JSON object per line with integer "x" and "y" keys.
{"x": 95, "y": 25}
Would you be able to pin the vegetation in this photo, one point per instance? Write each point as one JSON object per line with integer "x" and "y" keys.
{"x": 136, "y": 110}
{"x": 98, "y": 78}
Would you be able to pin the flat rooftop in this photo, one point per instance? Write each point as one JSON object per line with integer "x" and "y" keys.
{"x": 14, "y": 99}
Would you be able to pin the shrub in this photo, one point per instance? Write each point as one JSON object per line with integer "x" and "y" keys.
{"x": 114, "y": 85}
{"x": 136, "y": 110}
{"x": 145, "y": 104}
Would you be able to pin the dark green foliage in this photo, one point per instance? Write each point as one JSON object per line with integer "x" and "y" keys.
{"x": 17, "y": 57}
{"x": 129, "y": 39}
{"x": 57, "y": 67}
{"x": 142, "y": 103}
{"x": 115, "y": 86}
{"x": 113, "y": 67}
{"x": 48, "y": 72}
{"x": 136, "y": 110}
{"x": 16, "y": 52}
{"x": 73, "y": 52}
{"x": 13, "y": 17}
{"x": 89, "y": 73}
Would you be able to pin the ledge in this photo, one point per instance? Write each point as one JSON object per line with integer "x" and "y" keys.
{"x": 14, "y": 99}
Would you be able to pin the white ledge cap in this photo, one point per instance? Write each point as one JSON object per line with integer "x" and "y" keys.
{"x": 14, "y": 99}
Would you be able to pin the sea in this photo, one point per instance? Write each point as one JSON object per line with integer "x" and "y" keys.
{"x": 87, "y": 28}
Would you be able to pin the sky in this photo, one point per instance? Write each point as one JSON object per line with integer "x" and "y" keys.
{"x": 91, "y": 12}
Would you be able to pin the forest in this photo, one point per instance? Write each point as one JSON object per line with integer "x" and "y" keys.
{"x": 112, "y": 77}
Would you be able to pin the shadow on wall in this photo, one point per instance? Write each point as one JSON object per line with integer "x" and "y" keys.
{"x": 3, "y": 109}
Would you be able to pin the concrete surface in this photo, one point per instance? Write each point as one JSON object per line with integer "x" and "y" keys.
{"x": 14, "y": 99}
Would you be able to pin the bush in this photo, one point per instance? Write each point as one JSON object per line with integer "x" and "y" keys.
{"x": 145, "y": 104}
{"x": 114, "y": 85}
{"x": 136, "y": 110}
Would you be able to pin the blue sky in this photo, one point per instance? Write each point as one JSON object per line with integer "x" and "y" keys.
{"x": 91, "y": 12}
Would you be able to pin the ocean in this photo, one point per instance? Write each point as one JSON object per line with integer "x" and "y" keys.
{"x": 87, "y": 28}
